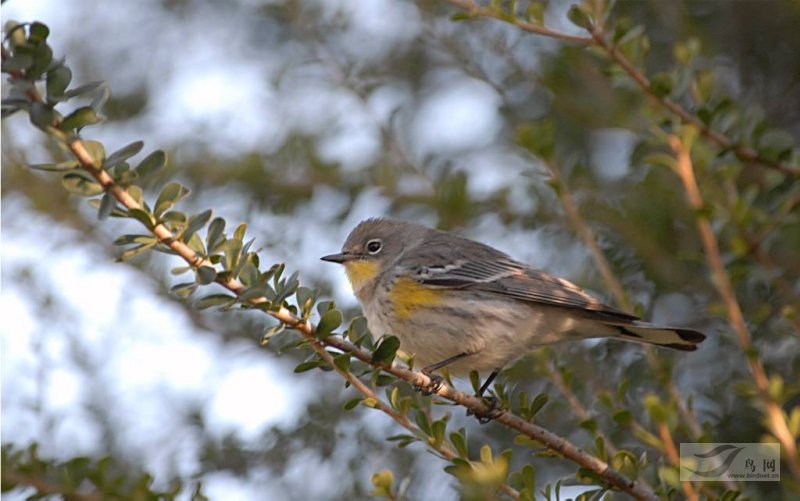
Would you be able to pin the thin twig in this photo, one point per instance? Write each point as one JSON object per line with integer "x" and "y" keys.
{"x": 776, "y": 421}
{"x": 743, "y": 152}
{"x": 598, "y": 39}
{"x": 672, "y": 455}
{"x": 475, "y": 10}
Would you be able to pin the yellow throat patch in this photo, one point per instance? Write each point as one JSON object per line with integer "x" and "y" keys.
{"x": 407, "y": 295}
{"x": 360, "y": 273}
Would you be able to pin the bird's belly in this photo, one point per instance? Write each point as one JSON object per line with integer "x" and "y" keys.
{"x": 494, "y": 332}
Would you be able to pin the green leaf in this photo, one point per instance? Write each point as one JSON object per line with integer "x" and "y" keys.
{"x": 136, "y": 250}
{"x": 41, "y": 115}
{"x": 174, "y": 218}
{"x": 253, "y": 293}
{"x": 107, "y": 204}
{"x": 232, "y": 250}
{"x": 535, "y": 12}
{"x": 357, "y": 328}
{"x": 328, "y": 323}
{"x": 579, "y": 17}
{"x": 79, "y": 118}
{"x": 135, "y": 193}
{"x": 59, "y": 167}
{"x": 151, "y": 163}
{"x": 58, "y": 80}
{"x": 311, "y": 364}
{"x": 97, "y": 151}
{"x": 385, "y": 352}
{"x": 184, "y": 290}
{"x": 83, "y": 89}
{"x": 423, "y": 423}
{"x": 249, "y": 275}
{"x": 81, "y": 183}
{"x": 133, "y": 239}
{"x": 661, "y": 84}
{"x": 623, "y": 417}
{"x": 196, "y": 222}
{"x": 215, "y": 236}
{"x": 196, "y": 244}
{"x": 351, "y": 404}
{"x": 214, "y": 300}
{"x": 123, "y": 154}
{"x": 459, "y": 441}
{"x": 239, "y": 232}
{"x": 169, "y": 196}
{"x": 538, "y": 402}
{"x": 342, "y": 361}
{"x": 206, "y": 275}
{"x": 589, "y": 424}
{"x": 658, "y": 411}
{"x": 143, "y": 217}
{"x": 528, "y": 475}
{"x": 38, "y": 32}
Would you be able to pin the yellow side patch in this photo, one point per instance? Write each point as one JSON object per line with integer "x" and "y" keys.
{"x": 407, "y": 295}
{"x": 360, "y": 273}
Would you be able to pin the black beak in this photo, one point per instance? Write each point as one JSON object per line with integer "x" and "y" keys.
{"x": 339, "y": 258}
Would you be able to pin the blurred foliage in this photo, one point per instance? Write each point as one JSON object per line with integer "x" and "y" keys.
{"x": 730, "y": 64}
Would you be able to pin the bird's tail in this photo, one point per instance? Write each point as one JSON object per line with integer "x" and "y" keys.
{"x": 672, "y": 337}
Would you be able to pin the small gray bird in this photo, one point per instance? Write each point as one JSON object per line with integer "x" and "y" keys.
{"x": 459, "y": 303}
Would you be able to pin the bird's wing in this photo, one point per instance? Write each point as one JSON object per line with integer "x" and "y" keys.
{"x": 499, "y": 274}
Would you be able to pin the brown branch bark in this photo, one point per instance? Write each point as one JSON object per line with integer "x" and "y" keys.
{"x": 672, "y": 455}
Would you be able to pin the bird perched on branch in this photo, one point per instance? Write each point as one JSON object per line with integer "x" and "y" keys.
{"x": 457, "y": 303}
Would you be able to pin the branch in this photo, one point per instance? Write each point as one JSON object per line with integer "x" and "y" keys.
{"x": 776, "y": 421}
{"x": 743, "y": 152}
{"x": 443, "y": 448}
{"x": 475, "y": 10}
{"x": 597, "y": 39}
{"x": 672, "y": 455}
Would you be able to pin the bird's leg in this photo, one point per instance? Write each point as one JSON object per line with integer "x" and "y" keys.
{"x": 485, "y": 385}
{"x": 436, "y": 380}
{"x": 491, "y": 401}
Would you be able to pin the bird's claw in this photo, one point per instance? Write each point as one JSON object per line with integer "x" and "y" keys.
{"x": 494, "y": 410}
{"x": 435, "y": 384}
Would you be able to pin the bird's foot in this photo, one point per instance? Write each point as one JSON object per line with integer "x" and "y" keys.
{"x": 435, "y": 384}
{"x": 494, "y": 410}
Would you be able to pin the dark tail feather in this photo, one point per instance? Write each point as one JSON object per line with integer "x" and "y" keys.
{"x": 676, "y": 338}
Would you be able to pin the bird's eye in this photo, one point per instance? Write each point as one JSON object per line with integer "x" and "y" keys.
{"x": 374, "y": 246}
